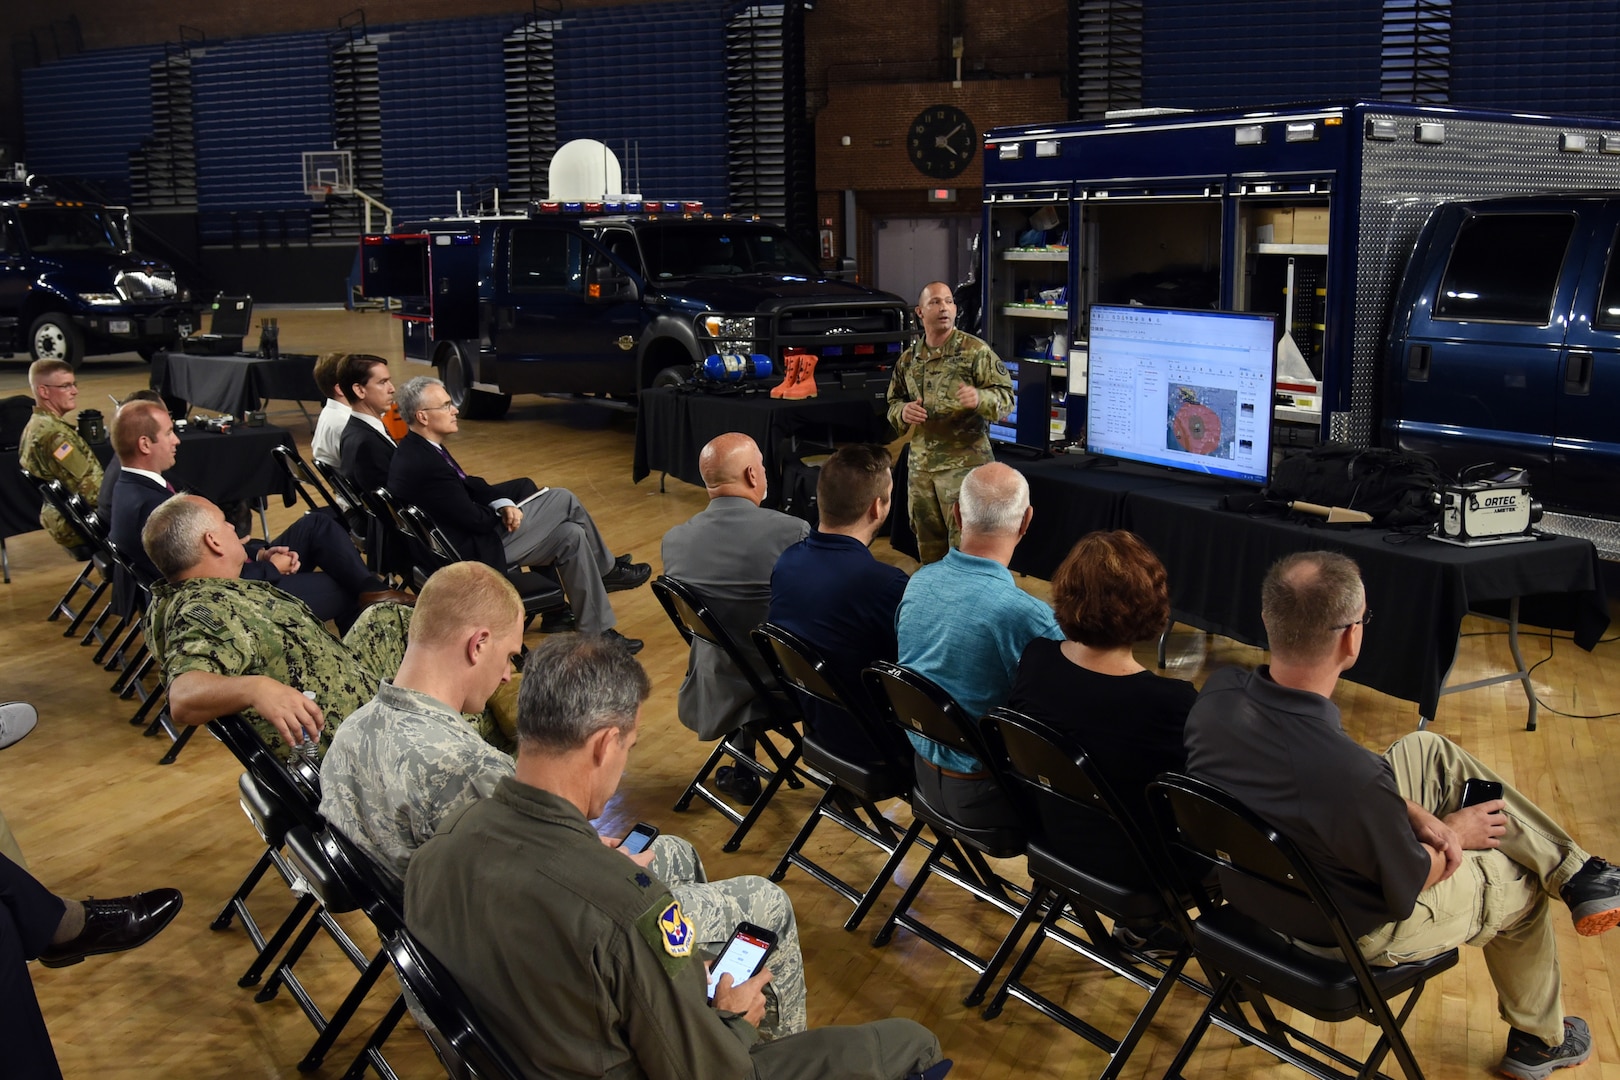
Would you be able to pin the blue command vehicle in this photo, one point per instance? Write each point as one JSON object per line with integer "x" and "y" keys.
{"x": 612, "y": 299}
{"x": 1452, "y": 287}
{"x": 72, "y": 285}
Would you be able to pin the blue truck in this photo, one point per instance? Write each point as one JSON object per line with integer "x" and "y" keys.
{"x": 72, "y": 284}
{"x": 1444, "y": 273}
{"x": 607, "y": 300}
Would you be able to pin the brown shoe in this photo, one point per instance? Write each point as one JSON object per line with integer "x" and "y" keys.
{"x": 393, "y": 596}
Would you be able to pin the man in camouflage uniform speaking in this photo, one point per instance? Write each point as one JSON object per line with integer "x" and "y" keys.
{"x": 407, "y": 761}
{"x": 950, "y": 387}
{"x": 231, "y": 645}
{"x": 51, "y": 448}
{"x": 584, "y": 962}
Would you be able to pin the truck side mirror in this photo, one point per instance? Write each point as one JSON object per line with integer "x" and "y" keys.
{"x": 605, "y": 282}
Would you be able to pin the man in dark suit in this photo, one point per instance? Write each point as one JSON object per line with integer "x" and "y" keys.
{"x": 366, "y": 447}
{"x": 144, "y": 438}
{"x": 510, "y": 524}
{"x": 726, "y": 553}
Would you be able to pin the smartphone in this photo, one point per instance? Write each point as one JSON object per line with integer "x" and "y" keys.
{"x": 743, "y": 955}
{"x": 639, "y": 838}
{"x": 1476, "y": 790}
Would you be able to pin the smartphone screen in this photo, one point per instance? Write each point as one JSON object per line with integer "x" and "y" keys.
{"x": 639, "y": 839}
{"x": 1477, "y": 791}
{"x": 742, "y": 957}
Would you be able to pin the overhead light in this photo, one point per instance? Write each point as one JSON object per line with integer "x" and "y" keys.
{"x": 1249, "y": 135}
{"x": 1381, "y": 128}
{"x": 1429, "y": 131}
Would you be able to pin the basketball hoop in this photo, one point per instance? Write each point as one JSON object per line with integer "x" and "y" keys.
{"x": 320, "y": 192}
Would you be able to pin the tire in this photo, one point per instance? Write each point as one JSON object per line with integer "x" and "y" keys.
{"x": 473, "y": 404}
{"x": 54, "y": 337}
{"x": 675, "y": 375}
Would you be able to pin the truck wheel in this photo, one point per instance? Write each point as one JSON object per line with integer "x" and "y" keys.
{"x": 54, "y": 337}
{"x": 677, "y": 375}
{"x": 455, "y": 372}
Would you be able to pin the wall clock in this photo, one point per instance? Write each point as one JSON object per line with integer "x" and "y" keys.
{"x": 941, "y": 141}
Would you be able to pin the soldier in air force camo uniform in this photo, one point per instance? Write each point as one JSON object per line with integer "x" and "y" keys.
{"x": 582, "y": 961}
{"x": 950, "y": 386}
{"x": 51, "y": 448}
{"x": 407, "y": 761}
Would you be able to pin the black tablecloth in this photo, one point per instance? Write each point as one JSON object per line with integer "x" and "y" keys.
{"x": 1419, "y": 590}
{"x": 234, "y": 384}
{"x": 672, "y": 426}
{"x": 20, "y": 499}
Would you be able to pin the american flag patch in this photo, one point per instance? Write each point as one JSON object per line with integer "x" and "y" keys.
{"x": 62, "y": 451}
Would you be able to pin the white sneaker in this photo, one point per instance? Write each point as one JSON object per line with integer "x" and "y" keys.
{"x": 17, "y": 719}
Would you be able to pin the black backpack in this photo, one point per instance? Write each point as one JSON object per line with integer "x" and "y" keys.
{"x": 1397, "y": 487}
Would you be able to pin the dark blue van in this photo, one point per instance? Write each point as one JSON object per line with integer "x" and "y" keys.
{"x": 72, "y": 285}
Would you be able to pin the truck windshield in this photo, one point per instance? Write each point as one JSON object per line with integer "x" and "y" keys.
{"x": 70, "y": 228}
{"x": 722, "y": 249}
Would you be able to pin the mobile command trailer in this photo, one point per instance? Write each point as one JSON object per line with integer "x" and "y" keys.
{"x": 1427, "y": 317}
{"x": 609, "y": 298}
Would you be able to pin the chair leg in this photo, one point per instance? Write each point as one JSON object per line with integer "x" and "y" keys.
{"x": 371, "y": 1053}
{"x": 179, "y": 744}
{"x": 84, "y": 612}
{"x": 803, "y": 835}
{"x": 886, "y": 931}
{"x": 64, "y": 605}
{"x": 720, "y": 750}
{"x": 274, "y": 942}
{"x": 1190, "y": 1043}
{"x": 783, "y": 773}
{"x": 334, "y": 1026}
{"x": 987, "y": 977}
{"x": 873, "y": 891}
{"x": 301, "y": 943}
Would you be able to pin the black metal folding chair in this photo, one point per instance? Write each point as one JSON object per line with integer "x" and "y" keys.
{"x": 854, "y": 785}
{"x": 1058, "y": 777}
{"x": 304, "y": 481}
{"x": 1206, "y": 821}
{"x": 464, "y": 1043}
{"x": 694, "y": 619}
{"x": 540, "y": 590}
{"x": 95, "y": 575}
{"x": 920, "y": 705}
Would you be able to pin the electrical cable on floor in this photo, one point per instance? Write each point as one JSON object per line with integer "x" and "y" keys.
{"x": 1552, "y": 636}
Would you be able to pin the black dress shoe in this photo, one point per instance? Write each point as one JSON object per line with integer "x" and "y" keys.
{"x": 739, "y": 783}
{"x": 115, "y": 925}
{"x": 557, "y": 622}
{"x": 629, "y": 644}
{"x": 626, "y": 576}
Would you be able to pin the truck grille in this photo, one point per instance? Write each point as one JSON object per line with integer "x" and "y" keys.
{"x": 835, "y": 321}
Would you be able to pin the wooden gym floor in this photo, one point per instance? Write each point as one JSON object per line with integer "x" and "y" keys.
{"x": 96, "y": 815}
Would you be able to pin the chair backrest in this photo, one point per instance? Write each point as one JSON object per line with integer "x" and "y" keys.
{"x": 1200, "y": 818}
{"x": 459, "y": 1036}
{"x": 694, "y": 618}
{"x": 920, "y": 705}
{"x": 297, "y": 785}
{"x": 303, "y": 478}
{"x": 424, "y": 531}
{"x": 800, "y": 666}
{"x": 74, "y": 511}
{"x": 15, "y": 412}
{"x": 377, "y": 893}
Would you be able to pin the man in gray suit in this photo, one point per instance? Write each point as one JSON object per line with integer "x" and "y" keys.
{"x": 726, "y": 554}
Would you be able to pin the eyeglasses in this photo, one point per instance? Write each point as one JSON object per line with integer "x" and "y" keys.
{"x": 446, "y": 407}
{"x": 59, "y": 386}
{"x": 1364, "y": 621}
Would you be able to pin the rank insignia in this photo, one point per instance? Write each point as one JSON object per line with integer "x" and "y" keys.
{"x": 676, "y": 930}
{"x": 644, "y": 881}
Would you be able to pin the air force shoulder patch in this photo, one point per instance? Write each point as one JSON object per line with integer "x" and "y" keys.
{"x": 676, "y": 930}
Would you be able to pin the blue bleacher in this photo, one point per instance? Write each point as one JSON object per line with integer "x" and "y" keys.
{"x": 83, "y": 115}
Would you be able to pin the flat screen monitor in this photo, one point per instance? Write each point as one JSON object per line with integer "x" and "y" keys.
{"x": 1188, "y": 390}
{"x": 1029, "y": 422}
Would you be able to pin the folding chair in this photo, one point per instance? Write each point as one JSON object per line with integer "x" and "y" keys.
{"x": 464, "y": 1043}
{"x": 96, "y": 576}
{"x": 1206, "y": 821}
{"x": 274, "y": 802}
{"x": 304, "y": 481}
{"x": 540, "y": 590}
{"x": 918, "y": 704}
{"x": 1050, "y": 766}
{"x": 853, "y": 785}
{"x": 694, "y": 619}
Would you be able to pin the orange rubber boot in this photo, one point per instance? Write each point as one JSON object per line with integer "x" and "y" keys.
{"x": 790, "y": 370}
{"x": 805, "y": 385}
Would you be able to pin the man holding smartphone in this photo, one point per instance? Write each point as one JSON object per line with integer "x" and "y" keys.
{"x": 407, "y": 761}
{"x": 519, "y": 894}
{"x": 1414, "y": 868}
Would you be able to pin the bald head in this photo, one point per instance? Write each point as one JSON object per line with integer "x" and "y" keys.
{"x": 1307, "y": 602}
{"x": 993, "y": 500}
{"x": 731, "y": 464}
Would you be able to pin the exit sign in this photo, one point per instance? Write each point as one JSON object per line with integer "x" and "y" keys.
{"x": 942, "y": 194}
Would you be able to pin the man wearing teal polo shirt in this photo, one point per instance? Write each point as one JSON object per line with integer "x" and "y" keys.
{"x": 964, "y": 623}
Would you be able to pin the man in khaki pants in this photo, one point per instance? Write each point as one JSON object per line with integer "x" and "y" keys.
{"x": 1414, "y": 872}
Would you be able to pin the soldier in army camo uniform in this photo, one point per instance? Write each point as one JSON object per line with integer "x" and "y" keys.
{"x": 406, "y": 761}
{"x": 950, "y": 386}
{"x": 51, "y": 448}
